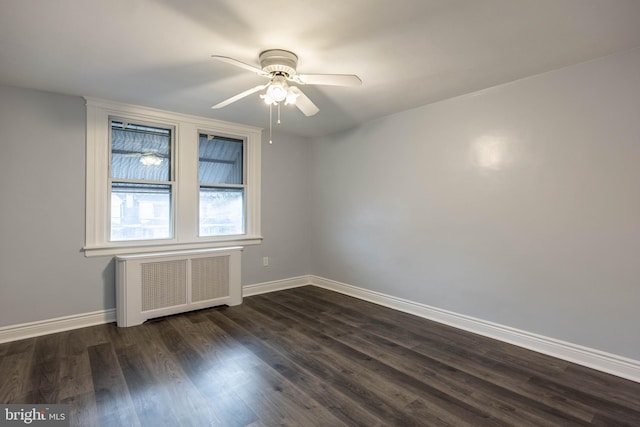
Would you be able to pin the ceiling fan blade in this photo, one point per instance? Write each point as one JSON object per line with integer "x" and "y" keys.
{"x": 240, "y": 64}
{"x": 304, "y": 104}
{"x": 330, "y": 79}
{"x": 239, "y": 96}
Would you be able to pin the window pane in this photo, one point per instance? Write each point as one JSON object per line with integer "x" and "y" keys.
{"x": 221, "y": 211}
{"x": 140, "y": 211}
{"x": 140, "y": 152}
{"x": 220, "y": 160}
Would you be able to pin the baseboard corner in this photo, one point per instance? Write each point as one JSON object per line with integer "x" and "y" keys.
{"x": 275, "y": 285}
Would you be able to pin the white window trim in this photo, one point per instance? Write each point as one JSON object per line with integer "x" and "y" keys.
{"x": 187, "y": 130}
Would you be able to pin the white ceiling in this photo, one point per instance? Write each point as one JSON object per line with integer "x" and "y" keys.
{"x": 407, "y": 52}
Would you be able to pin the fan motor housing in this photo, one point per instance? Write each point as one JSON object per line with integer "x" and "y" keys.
{"x": 275, "y": 61}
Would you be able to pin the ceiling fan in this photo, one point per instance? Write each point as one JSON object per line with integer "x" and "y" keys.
{"x": 279, "y": 66}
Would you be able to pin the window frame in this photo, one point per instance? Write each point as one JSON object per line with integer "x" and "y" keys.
{"x": 242, "y": 186}
{"x": 185, "y": 221}
{"x": 171, "y": 182}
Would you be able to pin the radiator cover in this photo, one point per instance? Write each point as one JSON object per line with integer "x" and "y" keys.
{"x": 158, "y": 284}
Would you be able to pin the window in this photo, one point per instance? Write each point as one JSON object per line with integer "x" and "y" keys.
{"x": 141, "y": 182}
{"x": 221, "y": 178}
{"x": 158, "y": 180}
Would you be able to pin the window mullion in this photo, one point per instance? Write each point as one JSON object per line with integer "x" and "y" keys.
{"x": 217, "y": 185}
{"x": 187, "y": 182}
{"x": 139, "y": 181}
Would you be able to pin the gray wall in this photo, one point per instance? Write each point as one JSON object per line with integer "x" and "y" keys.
{"x": 285, "y": 213}
{"x": 43, "y": 272}
{"x": 519, "y": 205}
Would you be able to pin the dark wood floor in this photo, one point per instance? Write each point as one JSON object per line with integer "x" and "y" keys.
{"x": 305, "y": 357}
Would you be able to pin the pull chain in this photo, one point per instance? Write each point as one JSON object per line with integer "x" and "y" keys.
{"x": 270, "y": 121}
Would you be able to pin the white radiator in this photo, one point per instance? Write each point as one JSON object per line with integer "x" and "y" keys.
{"x": 159, "y": 284}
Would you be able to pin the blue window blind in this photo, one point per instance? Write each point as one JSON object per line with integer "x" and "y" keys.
{"x": 140, "y": 152}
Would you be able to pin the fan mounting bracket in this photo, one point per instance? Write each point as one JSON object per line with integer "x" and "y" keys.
{"x": 277, "y": 61}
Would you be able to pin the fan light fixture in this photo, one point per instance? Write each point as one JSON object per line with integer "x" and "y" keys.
{"x": 279, "y": 91}
{"x": 291, "y": 97}
{"x": 279, "y": 66}
{"x": 150, "y": 159}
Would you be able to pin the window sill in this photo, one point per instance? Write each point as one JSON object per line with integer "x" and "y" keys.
{"x": 113, "y": 250}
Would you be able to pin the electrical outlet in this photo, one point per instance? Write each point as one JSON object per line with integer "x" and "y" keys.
{"x": 265, "y": 261}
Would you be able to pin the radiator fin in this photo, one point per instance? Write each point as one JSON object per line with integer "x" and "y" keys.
{"x": 209, "y": 278}
{"x": 164, "y": 284}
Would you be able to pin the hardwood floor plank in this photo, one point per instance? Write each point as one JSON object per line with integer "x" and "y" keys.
{"x": 75, "y": 376}
{"x": 339, "y": 404}
{"x": 600, "y": 404}
{"x": 151, "y": 403}
{"x": 113, "y": 402}
{"x": 447, "y": 407}
{"x": 256, "y": 383}
{"x": 512, "y": 378}
{"x": 83, "y": 411}
{"x": 14, "y": 368}
{"x": 22, "y": 346}
{"x": 306, "y": 357}
{"x": 606, "y": 421}
{"x": 350, "y": 370}
{"x": 190, "y": 407}
{"x": 603, "y": 386}
{"x": 359, "y": 312}
{"x": 447, "y": 379}
{"x": 281, "y": 403}
{"x": 362, "y": 311}
{"x": 46, "y": 359}
{"x": 314, "y": 359}
{"x": 225, "y": 403}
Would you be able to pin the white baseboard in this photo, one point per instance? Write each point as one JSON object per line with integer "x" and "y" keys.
{"x": 66, "y": 323}
{"x": 276, "y": 285}
{"x": 606, "y": 362}
{"x": 591, "y": 358}
{"x": 59, "y": 324}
